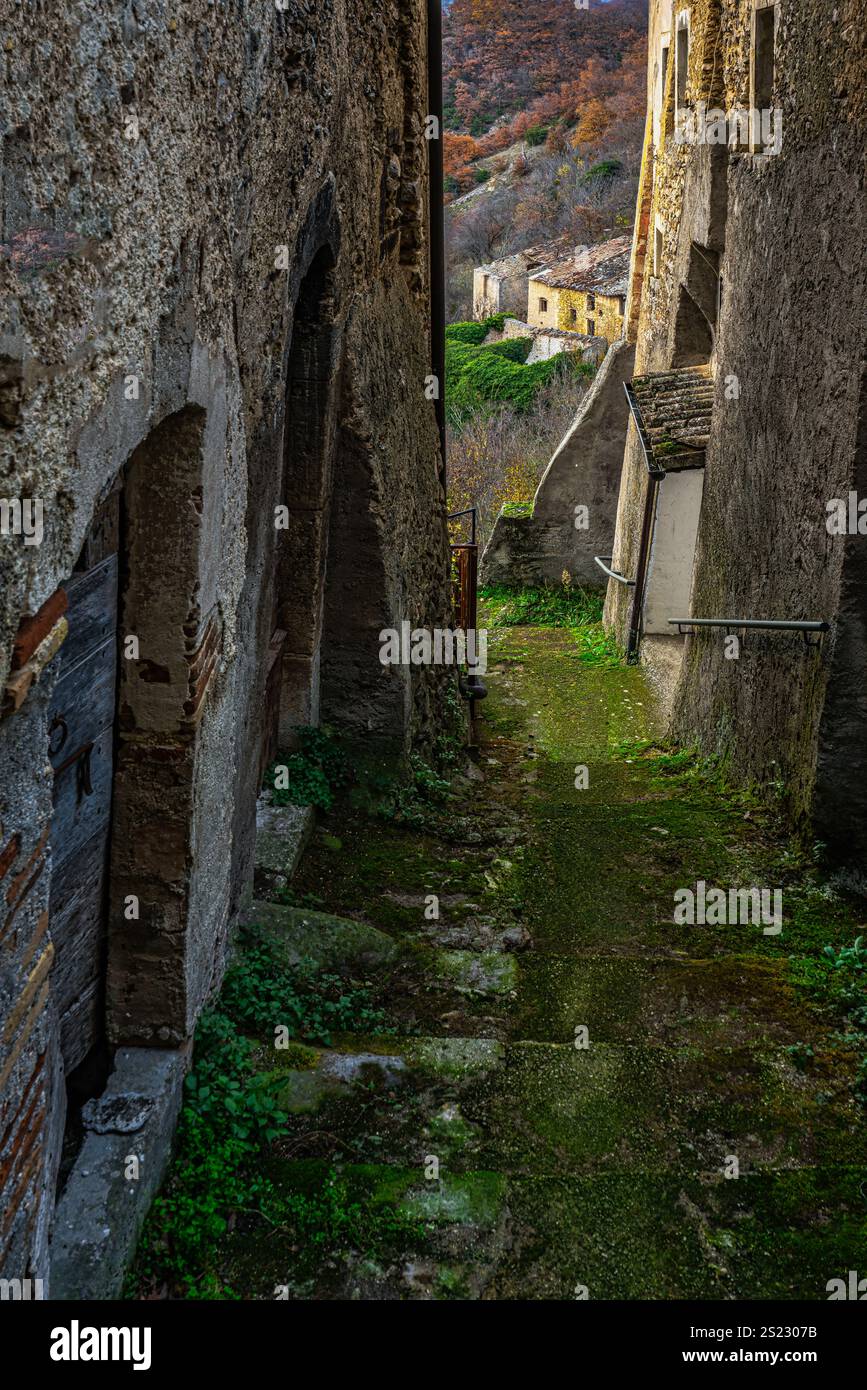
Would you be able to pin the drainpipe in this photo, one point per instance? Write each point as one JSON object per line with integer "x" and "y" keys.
{"x": 634, "y": 636}
{"x": 436, "y": 220}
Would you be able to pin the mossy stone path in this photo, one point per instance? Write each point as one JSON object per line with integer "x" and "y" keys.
{"x": 482, "y": 1153}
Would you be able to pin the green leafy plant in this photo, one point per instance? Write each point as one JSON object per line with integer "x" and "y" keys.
{"x": 334, "y": 1213}
{"x": 312, "y": 774}
{"x": 850, "y": 958}
{"x": 418, "y": 802}
{"x": 261, "y": 988}
{"x": 232, "y": 1110}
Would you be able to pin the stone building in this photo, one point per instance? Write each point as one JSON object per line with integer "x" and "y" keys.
{"x": 221, "y": 480}
{"x": 585, "y": 293}
{"x": 578, "y": 305}
{"x": 501, "y": 286}
{"x": 747, "y": 316}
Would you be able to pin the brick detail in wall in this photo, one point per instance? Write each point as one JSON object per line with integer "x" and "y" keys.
{"x": 201, "y": 655}
{"x": 20, "y": 885}
{"x": 22, "y": 1132}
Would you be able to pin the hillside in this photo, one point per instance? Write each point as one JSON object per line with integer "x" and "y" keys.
{"x": 509, "y": 58}
{"x": 544, "y": 108}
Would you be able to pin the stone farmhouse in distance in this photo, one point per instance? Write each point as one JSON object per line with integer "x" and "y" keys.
{"x": 585, "y": 293}
{"x": 501, "y": 286}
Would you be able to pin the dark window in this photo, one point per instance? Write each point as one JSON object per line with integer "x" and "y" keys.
{"x": 591, "y": 301}
{"x": 682, "y": 63}
{"x": 543, "y": 306}
{"x": 665, "y": 116}
{"x": 763, "y": 75}
{"x": 573, "y": 315}
{"x": 591, "y": 327}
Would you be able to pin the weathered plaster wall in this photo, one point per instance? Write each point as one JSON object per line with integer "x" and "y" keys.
{"x": 537, "y": 317}
{"x": 164, "y": 155}
{"x": 794, "y": 245}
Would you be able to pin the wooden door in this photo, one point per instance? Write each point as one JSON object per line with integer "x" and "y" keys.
{"x": 81, "y": 750}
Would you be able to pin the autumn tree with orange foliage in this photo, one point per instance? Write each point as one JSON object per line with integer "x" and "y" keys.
{"x": 506, "y": 57}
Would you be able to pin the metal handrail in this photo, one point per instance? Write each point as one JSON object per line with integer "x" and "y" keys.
{"x": 653, "y": 467}
{"x": 468, "y": 511}
{"x": 805, "y": 626}
{"x": 600, "y": 560}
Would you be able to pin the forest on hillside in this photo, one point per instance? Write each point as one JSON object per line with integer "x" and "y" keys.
{"x": 510, "y": 63}
{"x": 544, "y": 109}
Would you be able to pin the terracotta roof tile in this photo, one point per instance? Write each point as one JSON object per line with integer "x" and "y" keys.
{"x": 602, "y": 269}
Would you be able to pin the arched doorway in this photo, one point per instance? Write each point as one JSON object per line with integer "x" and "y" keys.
{"x": 307, "y": 470}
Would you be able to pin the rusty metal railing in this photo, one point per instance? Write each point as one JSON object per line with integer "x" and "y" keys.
{"x": 465, "y": 585}
{"x": 465, "y": 574}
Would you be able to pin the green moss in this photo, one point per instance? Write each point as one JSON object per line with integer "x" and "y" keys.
{"x": 455, "y": 1058}
{"x": 703, "y": 1041}
{"x": 468, "y": 1199}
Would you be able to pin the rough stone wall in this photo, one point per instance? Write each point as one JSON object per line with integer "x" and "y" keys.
{"x": 786, "y": 232}
{"x": 606, "y": 315}
{"x": 155, "y": 161}
{"x": 584, "y": 472}
{"x": 486, "y": 302}
{"x": 536, "y": 316}
{"x": 507, "y": 293}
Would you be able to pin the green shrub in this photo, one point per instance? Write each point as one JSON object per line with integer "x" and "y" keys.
{"x": 485, "y": 376}
{"x": 513, "y": 349}
{"x": 312, "y": 774}
{"x": 605, "y": 169}
{"x": 472, "y": 333}
{"x": 536, "y": 134}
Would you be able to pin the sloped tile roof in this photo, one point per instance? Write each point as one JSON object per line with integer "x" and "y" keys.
{"x": 532, "y": 258}
{"x": 673, "y": 411}
{"x": 602, "y": 269}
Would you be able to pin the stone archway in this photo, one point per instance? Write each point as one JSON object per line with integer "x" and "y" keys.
{"x": 369, "y": 702}
{"x": 169, "y": 645}
{"x": 302, "y": 544}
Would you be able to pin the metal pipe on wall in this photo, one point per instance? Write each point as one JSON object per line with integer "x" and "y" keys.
{"x": 635, "y": 617}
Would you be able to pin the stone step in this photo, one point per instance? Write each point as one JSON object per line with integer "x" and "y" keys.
{"x": 484, "y": 1234}
{"x": 551, "y": 1108}
{"x": 726, "y": 1000}
{"x": 282, "y": 834}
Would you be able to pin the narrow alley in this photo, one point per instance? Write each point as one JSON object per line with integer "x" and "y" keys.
{"x": 549, "y": 1089}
